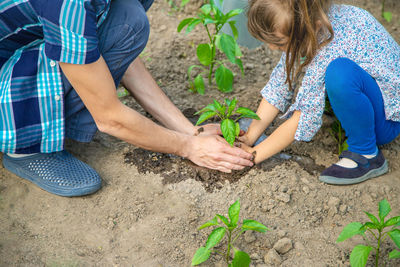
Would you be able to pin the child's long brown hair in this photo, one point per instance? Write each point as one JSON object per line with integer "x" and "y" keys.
{"x": 300, "y": 24}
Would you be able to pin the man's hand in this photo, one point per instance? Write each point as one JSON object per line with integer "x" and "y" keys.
{"x": 214, "y": 152}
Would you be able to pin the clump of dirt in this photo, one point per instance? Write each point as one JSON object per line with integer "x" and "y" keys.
{"x": 174, "y": 169}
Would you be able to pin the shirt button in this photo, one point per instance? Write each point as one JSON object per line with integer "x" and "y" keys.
{"x": 57, "y": 97}
{"x": 52, "y": 63}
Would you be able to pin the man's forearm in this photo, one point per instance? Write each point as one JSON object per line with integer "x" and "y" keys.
{"x": 139, "y": 82}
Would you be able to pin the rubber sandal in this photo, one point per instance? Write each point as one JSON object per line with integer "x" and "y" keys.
{"x": 59, "y": 173}
{"x": 366, "y": 169}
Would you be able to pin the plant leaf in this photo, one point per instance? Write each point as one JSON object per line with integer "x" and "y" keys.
{"x": 228, "y": 129}
{"x": 205, "y": 116}
{"x": 387, "y": 16}
{"x": 235, "y": 31}
{"x": 395, "y": 236}
{"x": 392, "y": 221}
{"x": 209, "y": 107}
{"x": 215, "y": 237}
{"x": 238, "y": 52}
{"x": 241, "y": 259}
{"x": 228, "y": 46}
{"x": 199, "y": 84}
{"x": 233, "y": 13}
{"x": 202, "y": 254}
{"x": 206, "y": 9}
{"x": 395, "y": 254}
{"x": 184, "y": 2}
{"x": 192, "y": 24}
{"x": 231, "y": 106}
{"x": 372, "y": 218}
{"x": 218, "y": 106}
{"x": 384, "y": 209}
{"x": 212, "y": 222}
{"x": 359, "y": 255}
{"x": 247, "y": 113}
{"x": 255, "y": 226}
{"x": 349, "y": 231}
{"x": 240, "y": 65}
{"x": 224, "y": 79}
{"x": 237, "y": 129}
{"x": 183, "y": 23}
{"x": 223, "y": 219}
{"x": 369, "y": 225}
{"x": 234, "y": 211}
{"x": 209, "y": 21}
{"x": 204, "y": 54}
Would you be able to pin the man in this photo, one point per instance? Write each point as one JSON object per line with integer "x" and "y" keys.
{"x": 60, "y": 64}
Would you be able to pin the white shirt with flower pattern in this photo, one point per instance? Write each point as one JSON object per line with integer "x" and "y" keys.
{"x": 359, "y": 37}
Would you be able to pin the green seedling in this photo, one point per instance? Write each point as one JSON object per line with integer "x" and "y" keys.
{"x": 229, "y": 127}
{"x": 230, "y": 229}
{"x": 378, "y": 231}
{"x": 386, "y": 14}
{"x": 209, "y": 15}
{"x": 336, "y": 130}
{"x": 175, "y": 6}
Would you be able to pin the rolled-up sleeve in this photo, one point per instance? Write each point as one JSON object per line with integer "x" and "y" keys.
{"x": 70, "y": 31}
{"x": 276, "y": 92}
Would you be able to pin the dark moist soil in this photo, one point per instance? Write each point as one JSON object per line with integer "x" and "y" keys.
{"x": 174, "y": 169}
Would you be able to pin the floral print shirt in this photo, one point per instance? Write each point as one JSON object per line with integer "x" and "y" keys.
{"x": 359, "y": 37}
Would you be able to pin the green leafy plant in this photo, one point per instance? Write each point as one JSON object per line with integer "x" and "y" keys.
{"x": 227, "y": 227}
{"x": 229, "y": 127}
{"x": 376, "y": 229}
{"x": 386, "y": 14}
{"x": 209, "y": 15}
{"x": 336, "y": 130}
{"x": 175, "y": 6}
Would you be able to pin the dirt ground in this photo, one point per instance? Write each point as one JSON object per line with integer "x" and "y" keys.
{"x": 150, "y": 205}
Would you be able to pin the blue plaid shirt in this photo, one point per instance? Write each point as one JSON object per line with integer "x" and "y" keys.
{"x": 34, "y": 36}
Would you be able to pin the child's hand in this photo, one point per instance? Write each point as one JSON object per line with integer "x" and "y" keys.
{"x": 246, "y": 148}
{"x": 244, "y": 139}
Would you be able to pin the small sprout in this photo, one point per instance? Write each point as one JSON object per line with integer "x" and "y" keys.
{"x": 229, "y": 127}
{"x": 227, "y": 227}
{"x": 376, "y": 229}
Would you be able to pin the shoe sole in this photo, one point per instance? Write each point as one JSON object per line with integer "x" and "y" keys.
{"x": 347, "y": 181}
{"x": 57, "y": 191}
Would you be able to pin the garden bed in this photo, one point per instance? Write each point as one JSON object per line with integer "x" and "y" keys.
{"x": 151, "y": 204}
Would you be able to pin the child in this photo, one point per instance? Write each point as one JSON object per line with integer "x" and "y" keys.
{"x": 343, "y": 51}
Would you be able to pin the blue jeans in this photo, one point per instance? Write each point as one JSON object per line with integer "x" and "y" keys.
{"x": 357, "y": 102}
{"x": 122, "y": 37}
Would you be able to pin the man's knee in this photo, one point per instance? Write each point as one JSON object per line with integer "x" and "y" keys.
{"x": 129, "y": 24}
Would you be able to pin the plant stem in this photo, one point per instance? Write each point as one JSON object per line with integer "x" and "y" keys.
{"x": 228, "y": 251}
{"x": 236, "y": 237}
{"x": 383, "y": 7}
{"x": 377, "y": 249}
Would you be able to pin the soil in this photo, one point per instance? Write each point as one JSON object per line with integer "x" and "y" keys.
{"x": 151, "y": 204}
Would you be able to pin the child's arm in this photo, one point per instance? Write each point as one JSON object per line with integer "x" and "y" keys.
{"x": 267, "y": 114}
{"x": 282, "y": 137}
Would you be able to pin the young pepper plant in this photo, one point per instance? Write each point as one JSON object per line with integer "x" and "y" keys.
{"x": 209, "y": 15}
{"x": 229, "y": 127}
{"x": 377, "y": 229}
{"x": 230, "y": 228}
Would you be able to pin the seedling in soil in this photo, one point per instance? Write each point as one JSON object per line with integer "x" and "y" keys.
{"x": 336, "y": 130}
{"x": 229, "y": 127}
{"x": 377, "y": 229}
{"x": 230, "y": 228}
{"x": 209, "y": 15}
{"x": 386, "y": 14}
